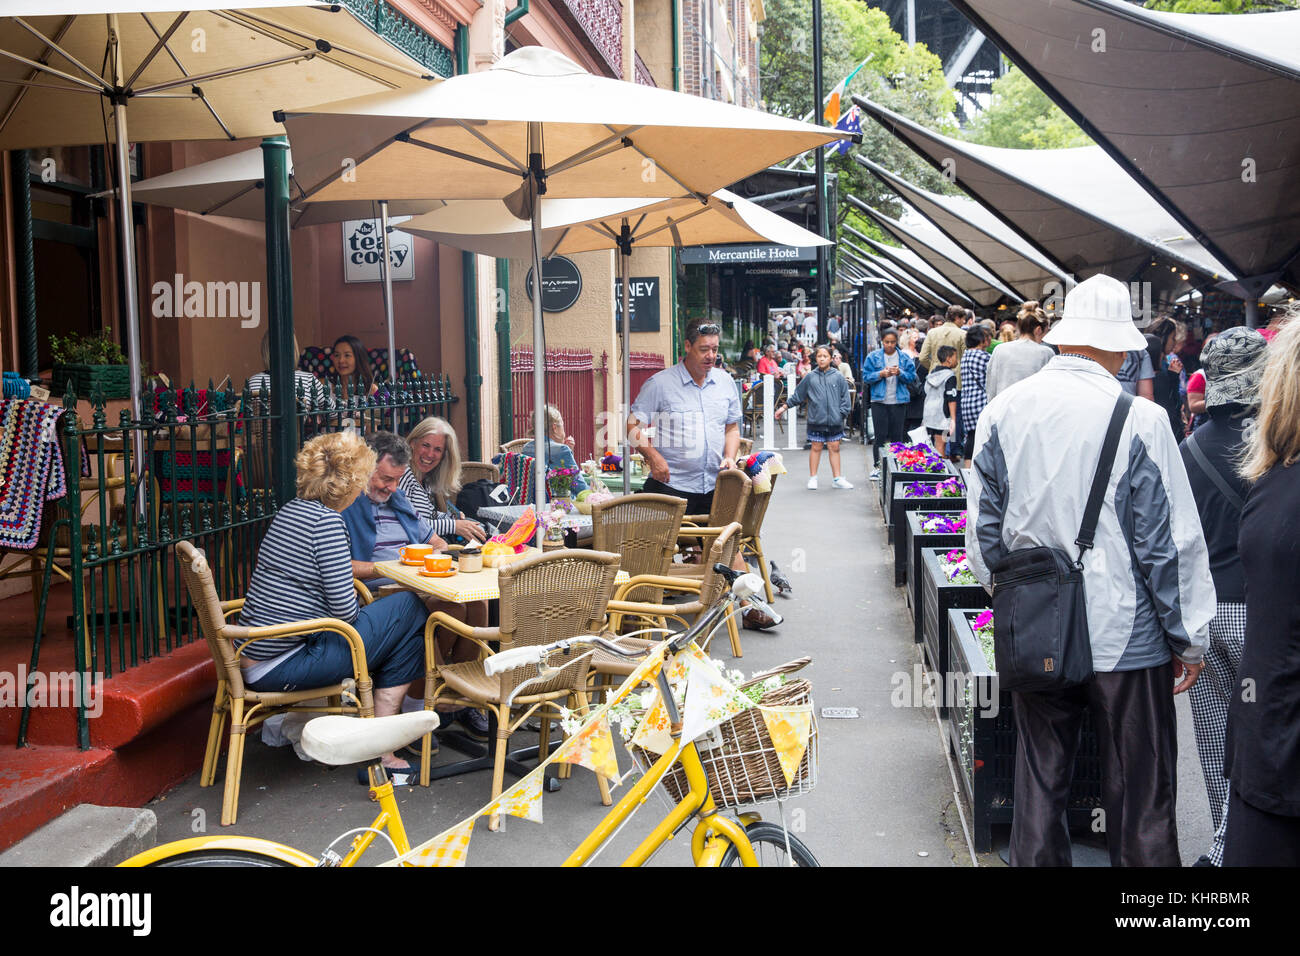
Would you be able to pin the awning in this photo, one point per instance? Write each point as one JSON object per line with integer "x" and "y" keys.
{"x": 914, "y": 267}
{"x": 1200, "y": 108}
{"x": 992, "y": 243}
{"x": 947, "y": 258}
{"x": 1076, "y": 205}
{"x": 883, "y": 267}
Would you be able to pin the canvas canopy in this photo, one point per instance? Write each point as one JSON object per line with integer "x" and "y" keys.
{"x": 904, "y": 260}
{"x": 1199, "y": 108}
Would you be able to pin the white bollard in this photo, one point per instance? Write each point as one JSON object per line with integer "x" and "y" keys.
{"x": 769, "y": 421}
{"x": 791, "y": 415}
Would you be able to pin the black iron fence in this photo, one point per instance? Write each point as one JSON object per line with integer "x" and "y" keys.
{"x": 197, "y": 465}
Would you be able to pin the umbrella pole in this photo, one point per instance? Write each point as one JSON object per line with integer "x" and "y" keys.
{"x": 131, "y": 318}
{"x": 541, "y": 440}
{"x": 385, "y": 270}
{"x": 625, "y": 262}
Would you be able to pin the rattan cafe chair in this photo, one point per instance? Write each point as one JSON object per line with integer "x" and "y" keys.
{"x": 247, "y": 708}
{"x": 642, "y": 529}
{"x": 478, "y": 470}
{"x": 544, "y": 598}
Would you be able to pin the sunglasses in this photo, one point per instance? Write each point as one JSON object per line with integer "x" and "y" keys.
{"x": 709, "y": 329}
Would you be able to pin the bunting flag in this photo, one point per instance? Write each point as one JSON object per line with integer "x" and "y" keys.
{"x": 448, "y": 848}
{"x": 789, "y": 728}
{"x": 710, "y": 699}
{"x": 653, "y": 733}
{"x": 524, "y": 799}
{"x": 593, "y": 748}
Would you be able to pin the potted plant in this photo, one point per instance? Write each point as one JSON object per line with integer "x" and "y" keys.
{"x": 90, "y": 363}
{"x": 923, "y": 529}
{"x": 946, "y": 583}
{"x": 946, "y": 495}
{"x": 904, "y": 462}
{"x": 982, "y": 734}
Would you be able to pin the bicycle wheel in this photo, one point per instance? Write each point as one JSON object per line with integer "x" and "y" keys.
{"x": 220, "y": 857}
{"x": 768, "y": 840}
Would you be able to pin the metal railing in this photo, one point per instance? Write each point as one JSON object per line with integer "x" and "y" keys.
{"x": 197, "y": 467}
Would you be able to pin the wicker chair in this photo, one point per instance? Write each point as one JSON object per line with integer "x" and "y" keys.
{"x": 543, "y": 599}
{"x": 746, "y": 447}
{"x": 753, "y": 509}
{"x": 730, "y": 494}
{"x": 248, "y": 708}
{"x": 514, "y": 446}
{"x": 709, "y": 588}
{"x": 643, "y": 530}
{"x": 478, "y": 470}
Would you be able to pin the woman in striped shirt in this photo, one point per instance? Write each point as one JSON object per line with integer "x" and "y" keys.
{"x": 433, "y": 478}
{"x": 304, "y": 571}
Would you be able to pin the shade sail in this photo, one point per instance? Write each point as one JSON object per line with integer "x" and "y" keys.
{"x": 1201, "y": 109}
{"x": 244, "y": 62}
{"x": 913, "y": 266}
{"x": 890, "y": 270}
{"x": 1076, "y": 205}
{"x": 232, "y": 186}
{"x": 944, "y": 255}
{"x": 589, "y": 225}
{"x": 993, "y": 243}
{"x": 467, "y": 137}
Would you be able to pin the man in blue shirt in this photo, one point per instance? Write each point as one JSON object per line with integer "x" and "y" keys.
{"x": 694, "y": 410}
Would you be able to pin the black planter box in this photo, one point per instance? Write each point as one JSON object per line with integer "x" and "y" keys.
{"x": 938, "y": 597}
{"x": 907, "y": 552}
{"x": 882, "y": 488}
{"x": 899, "y": 506}
{"x": 898, "y": 477}
{"x": 984, "y": 743}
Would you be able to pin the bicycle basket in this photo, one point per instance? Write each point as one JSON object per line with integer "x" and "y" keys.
{"x": 739, "y": 758}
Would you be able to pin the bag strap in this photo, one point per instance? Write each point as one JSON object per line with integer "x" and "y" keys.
{"x": 1088, "y": 530}
{"x": 1214, "y": 474}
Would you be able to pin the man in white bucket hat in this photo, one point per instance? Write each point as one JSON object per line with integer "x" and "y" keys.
{"x": 1147, "y": 581}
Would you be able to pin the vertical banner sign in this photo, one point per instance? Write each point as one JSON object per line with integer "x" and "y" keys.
{"x": 363, "y": 244}
{"x": 792, "y": 415}
{"x": 643, "y": 293}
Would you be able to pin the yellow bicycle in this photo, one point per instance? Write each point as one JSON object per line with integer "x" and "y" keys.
{"x": 717, "y": 839}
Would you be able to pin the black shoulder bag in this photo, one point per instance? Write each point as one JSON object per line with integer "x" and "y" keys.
{"x": 1040, "y": 618}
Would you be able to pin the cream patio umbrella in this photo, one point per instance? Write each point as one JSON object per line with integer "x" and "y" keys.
{"x": 536, "y": 124}
{"x": 232, "y": 186}
{"x": 199, "y": 72}
{"x": 489, "y": 228}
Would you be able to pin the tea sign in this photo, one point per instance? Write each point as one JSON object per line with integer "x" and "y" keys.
{"x": 363, "y": 245}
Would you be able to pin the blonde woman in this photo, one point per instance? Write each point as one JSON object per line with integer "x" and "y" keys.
{"x": 432, "y": 479}
{"x": 1262, "y": 760}
{"x": 304, "y": 571}
{"x": 559, "y": 448}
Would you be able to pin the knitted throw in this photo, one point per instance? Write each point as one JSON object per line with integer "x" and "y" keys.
{"x": 31, "y": 466}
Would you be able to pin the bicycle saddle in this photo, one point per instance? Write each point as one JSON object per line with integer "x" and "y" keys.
{"x": 336, "y": 739}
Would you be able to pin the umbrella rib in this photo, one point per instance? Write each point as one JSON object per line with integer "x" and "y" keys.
{"x": 519, "y": 167}
{"x": 48, "y": 86}
{"x": 196, "y": 90}
{"x": 401, "y": 137}
{"x": 564, "y": 234}
{"x": 596, "y": 150}
{"x": 672, "y": 223}
{"x": 53, "y": 45}
{"x": 457, "y": 154}
{"x": 222, "y": 74}
{"x": 162, "y": 42}
{"x": 272, "y": 26}
{"x": 658, "y": 165}
{"x": 22, "y": 93}
{"x": 46, "y": 68}
{"x": 229, "y": 199}
{"x": 598, "y": 227}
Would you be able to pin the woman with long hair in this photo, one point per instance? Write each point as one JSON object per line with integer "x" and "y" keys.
{"x": 1262, "y": 759}
{"x": 432, "y": 479}
{"x": 352, "y": 366}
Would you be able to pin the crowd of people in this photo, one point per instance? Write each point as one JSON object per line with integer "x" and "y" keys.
{"x": 1188, "y": 583}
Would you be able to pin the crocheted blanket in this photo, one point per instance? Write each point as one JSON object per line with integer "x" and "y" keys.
{"x": 517, "y": 473}
{"x": 31, "y": 466}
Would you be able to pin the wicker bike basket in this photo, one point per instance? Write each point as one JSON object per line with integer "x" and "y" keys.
{"x": 739, "y": 759}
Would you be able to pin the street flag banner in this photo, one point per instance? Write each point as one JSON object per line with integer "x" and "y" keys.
{"x": 850, "y": 122}
{"x": 789, "y": 728}
{"x": 832, "y": 111}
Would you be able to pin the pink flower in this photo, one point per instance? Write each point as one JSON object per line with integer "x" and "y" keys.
{"x": 984, "y": 620}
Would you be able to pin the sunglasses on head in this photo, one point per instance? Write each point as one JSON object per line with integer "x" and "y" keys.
{"x": 709, "y": 329}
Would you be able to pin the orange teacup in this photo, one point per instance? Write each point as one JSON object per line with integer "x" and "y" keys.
{"x": 437, "y": 563}
{"x": 415, "y": 553}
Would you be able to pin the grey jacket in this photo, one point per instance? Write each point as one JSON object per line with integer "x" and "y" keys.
{"x": 827, "y": 396}
{"x": 1147, "y": 578}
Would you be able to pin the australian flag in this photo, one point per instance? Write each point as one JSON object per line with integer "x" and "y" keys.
{"x": 850, "y": 122}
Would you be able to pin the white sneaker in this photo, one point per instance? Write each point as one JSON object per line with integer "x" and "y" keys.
{"x": 812, "y": 483}
{"x": 841, "y": 482}
{"x": 875, "y": 475}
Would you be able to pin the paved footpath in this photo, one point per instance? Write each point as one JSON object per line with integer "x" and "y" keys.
{"x": 884, "y": 797}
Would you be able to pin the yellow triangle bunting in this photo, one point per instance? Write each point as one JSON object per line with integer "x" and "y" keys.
{"x": 448, "y": 848}
{"x": 593, "y": 748}
{"x": 789, "y": 728}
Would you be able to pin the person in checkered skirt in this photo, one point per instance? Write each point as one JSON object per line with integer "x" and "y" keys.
{"x": 974, "y": 376}
{"x": 1233, "y": 363}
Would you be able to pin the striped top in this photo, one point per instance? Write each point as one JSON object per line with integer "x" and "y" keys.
{"x": 311, "y": 391}
{"x": 444, "y": 524}
{"x": 304, "y": 571}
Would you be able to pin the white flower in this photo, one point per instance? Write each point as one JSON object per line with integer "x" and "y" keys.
{"x": 736, "y": 677}
{"x": 773, "y": 682}
{"x": 648, "y": 698}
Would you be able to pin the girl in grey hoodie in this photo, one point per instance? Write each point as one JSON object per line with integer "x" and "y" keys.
{"x": 826, "y": 393}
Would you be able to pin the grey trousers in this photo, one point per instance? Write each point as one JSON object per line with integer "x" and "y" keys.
{"x": 1133, "y": 713}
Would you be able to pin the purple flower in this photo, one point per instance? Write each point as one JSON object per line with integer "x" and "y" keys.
{"x": 984, "y": 620}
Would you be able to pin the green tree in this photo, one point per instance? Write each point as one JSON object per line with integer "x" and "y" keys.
{"x": 1021, "y": 116}
{"x": 908, "y": 80}
{"x": 1220, "y": 6}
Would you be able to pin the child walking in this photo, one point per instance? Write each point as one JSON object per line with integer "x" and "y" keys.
{"x": 940, "y": 415}
{"x": 826, "y": 393}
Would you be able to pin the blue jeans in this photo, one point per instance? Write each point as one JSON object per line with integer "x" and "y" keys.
{"x": 392, "y": 630}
